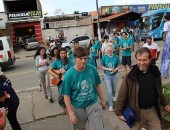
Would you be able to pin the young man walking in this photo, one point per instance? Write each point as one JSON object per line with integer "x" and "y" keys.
{"x": 81, "y": 88}
{"x": 126, "y": 47}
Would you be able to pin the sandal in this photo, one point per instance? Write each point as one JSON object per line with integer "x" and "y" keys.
{"x": 63, "y": 112}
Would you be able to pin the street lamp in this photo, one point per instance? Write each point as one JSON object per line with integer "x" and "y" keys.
{"x": 98, "y": 25}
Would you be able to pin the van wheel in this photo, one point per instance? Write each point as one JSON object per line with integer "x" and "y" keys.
{"x": 2, "y": 67}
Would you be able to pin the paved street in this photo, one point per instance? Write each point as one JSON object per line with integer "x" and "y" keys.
{"x": 35, "y": 112}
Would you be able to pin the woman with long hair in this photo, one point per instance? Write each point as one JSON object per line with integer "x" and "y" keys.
{"x": 42, "y": 63}
{"x": 54, "y": 53}
{"x": 93, "y": 51}
{"x": 59, "y": 67}
{"x": 165, "y": 60}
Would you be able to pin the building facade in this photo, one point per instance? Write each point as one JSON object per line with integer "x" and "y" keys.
{"x": 23, "y": 19}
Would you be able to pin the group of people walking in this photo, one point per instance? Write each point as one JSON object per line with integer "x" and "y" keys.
{"x": 141, "y": 87}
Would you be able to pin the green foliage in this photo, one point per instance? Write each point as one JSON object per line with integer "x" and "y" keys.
{"x": 76, "y": 12}
{"x": 166, "y": 92}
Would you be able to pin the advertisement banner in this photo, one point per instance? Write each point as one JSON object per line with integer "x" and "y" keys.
{"x": 143, "y": 8}
{"x": 13, "y": 16}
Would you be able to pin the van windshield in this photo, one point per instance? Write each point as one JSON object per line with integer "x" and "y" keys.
{"x": 1, "y": 45}
{"x": 32, "y": 40}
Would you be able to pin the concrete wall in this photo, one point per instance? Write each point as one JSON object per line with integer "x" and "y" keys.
{"x": 69, "y": 32}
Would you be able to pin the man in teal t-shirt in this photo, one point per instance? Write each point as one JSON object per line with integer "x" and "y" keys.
{"x": 81, "y": 88}
{"x": 126, "y": 47}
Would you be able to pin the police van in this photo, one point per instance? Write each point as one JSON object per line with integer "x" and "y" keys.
{"x": 7, "y": 56}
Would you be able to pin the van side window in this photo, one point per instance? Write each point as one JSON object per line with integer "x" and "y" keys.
{"x": 1, "y": 45}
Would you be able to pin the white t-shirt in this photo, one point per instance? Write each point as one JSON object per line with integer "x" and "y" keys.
{"x": 40, "y": 61}
{"x": 104, "y": 46}
{"x": 153, "y": 48}
{"x": 166, "y": 26}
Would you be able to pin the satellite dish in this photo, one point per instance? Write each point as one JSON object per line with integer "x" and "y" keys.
{"x": 57, "y": 11}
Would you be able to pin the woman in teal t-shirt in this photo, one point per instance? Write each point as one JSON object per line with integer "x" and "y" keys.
{"x": 110, "y": 64}
{"x": 60, "y": 66}
{"x": 93, "y": 51}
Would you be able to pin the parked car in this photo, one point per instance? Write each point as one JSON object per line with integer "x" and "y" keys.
{"x": 31, "y": 43}
{"x": 83, "y": 41}
{"x": 7, "y": 57}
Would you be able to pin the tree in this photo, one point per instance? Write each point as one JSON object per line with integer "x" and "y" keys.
{"x": 76, "y": 12}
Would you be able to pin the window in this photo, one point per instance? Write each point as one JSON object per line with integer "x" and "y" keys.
{"x": 84, "y": 38}
{"x": 168, "y": 13}
{"x": 157, "y": 18}
{"x": 76, "y": 39}
{"x": 1, "y": 45}
{"x": 32, "y": 40}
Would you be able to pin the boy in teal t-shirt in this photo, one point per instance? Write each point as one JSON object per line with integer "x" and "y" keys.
{"x": 126, "y": 43}
{"x": 84, "y": 86}
{"x": 81, "y": 88}
{"x": 126, "y": 47}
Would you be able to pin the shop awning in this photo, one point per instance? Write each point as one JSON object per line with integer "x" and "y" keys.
{"x": 121, "y": 16}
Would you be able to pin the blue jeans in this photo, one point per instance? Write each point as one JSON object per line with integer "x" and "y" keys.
{"x": 95, "y": 60}
{"x": 110, "y": 82}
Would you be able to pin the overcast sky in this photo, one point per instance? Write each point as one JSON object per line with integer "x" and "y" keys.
{"x": 69, "y": 6}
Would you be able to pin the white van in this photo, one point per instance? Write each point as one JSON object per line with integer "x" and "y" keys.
{"x": 7, "y": 56}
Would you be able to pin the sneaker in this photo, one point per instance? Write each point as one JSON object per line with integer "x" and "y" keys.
{"x": 111, "y": 108}
{"x": 51, "y": 100}
{"x": 114, "y": 98}
{"x": 46, "y": 96}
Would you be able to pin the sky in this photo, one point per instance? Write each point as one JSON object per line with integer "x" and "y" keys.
{"x": 69, "y": 6}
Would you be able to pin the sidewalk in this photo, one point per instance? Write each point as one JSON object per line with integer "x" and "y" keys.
{"x": 35, "y": 112}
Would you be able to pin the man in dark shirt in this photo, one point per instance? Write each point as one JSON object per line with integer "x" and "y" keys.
{"x": 141, "y": 90}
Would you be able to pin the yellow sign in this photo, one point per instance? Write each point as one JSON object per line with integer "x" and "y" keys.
{"x": 158, "y": 6}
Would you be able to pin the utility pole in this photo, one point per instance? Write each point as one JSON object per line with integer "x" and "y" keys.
{"x": 98, "y": 24}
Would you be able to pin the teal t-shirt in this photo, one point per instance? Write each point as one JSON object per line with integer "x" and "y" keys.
{"x": 70, "y": 52}
{"x": 72, "y": 60}
{"x": 132, "y": 37}
{"x": 93, "y": 50}
{"x": 57, "y": 64}
{"x": 110, "y": 62}
{"x": 116, "y": 40}
{"x": 81, "y": 86}
{"x": 115, "y": 47}
{"x": 126, "y": 43}
{"x": 90, "y": 61}
{"x": 98, "y": 44}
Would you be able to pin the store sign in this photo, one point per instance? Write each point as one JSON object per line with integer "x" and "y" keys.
{"x": 24, "y": 15}
{"x": 135, "y": 8}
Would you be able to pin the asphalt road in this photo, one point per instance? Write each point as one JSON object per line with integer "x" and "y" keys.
{"x": 23, "y": 74}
